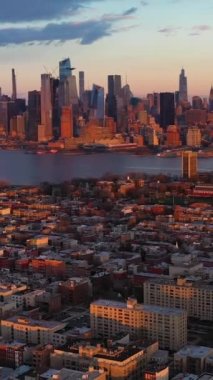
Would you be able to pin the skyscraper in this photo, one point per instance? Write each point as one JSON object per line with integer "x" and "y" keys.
{"x": 46, "y": 105}
{"x": 7, "y": 111}
{"x": 183, "y": 95}
{"x": 173, "y": 136}
{"x": 167, "y": 109}
{"x": 65, "y": 69}
{"x": 114, "y": 91}
{"x": 34, "y": 114}
{"x": 193, "y": 137}
{"x": 54, "y": 82}
{"x": 114, "y": 85}
{"x": 14, "y": 90}
{"x": 97, "y": 102}
{"x": 211, "y": 100}
{"x": 81, "y": 84}
{"x": 68, "y": 93}
{"x": 189, "y": 164}
{"x": 66, "y": 122}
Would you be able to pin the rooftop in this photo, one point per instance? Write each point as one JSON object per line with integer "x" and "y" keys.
{"x": 194, "y": 351}
{"x": 21, "y": 320}
{"x": 139, "y": 307}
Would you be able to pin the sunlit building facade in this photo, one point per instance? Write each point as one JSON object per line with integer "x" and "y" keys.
{"x": 196, "y": 298}
{"x": 189, "y": 164}
{"x": 168, "y": 326}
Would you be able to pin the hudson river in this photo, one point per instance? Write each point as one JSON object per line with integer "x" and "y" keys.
{"x": 19, "y": 168}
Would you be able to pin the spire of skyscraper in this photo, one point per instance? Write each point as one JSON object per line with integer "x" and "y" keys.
{"x": 183, "y": 94}
{"x": 14, "y": 91}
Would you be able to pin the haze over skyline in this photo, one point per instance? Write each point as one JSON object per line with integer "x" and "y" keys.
{"x": 147, "y": 41}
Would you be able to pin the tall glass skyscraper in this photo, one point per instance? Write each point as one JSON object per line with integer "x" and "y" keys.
{"x": 65, "y": 69}
{"x": 68, "y": 93}
{"x": 97, "y": 102}
{"x": 183, "y": 95}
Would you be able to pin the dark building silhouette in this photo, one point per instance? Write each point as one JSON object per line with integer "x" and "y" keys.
{"x": 7, "y": 112}
{"x": 81, "y": 84}
{"x": 114, "y": 90}
{"x": 34, "y": 114}
{"x": 14, "y": 89}
{"x": 197, "y": 103}
{"x": 211, "y": 100}
{"x": 20, "y": 106}
{"x": 167, "y": 109}
{"x": 55, "y": 107}
{"x": 183, "y": 95}
{"x": 194, "y": 116}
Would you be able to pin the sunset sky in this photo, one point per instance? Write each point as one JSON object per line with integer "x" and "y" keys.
{"x": 146, "y": 41}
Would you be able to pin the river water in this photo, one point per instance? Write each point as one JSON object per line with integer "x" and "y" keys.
{"x": 19, "y": 168}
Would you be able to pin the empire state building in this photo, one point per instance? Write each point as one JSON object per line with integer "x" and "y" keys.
{"x": 183, "y": 96}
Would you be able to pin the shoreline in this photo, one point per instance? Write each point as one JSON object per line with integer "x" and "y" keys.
{"x": 77, "y": 152}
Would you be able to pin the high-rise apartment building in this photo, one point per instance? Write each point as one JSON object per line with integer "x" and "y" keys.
{"x": 194, "y": 297}
{"x": 167, "y": 325}
{"x": 66, "y": 122}
{"x": 193, "y": 137}
{"x": 167, "y": 109}
{"x": 46, "y": 106}
{"x": 189, "y": 164}
{"x": 183, "y": 95}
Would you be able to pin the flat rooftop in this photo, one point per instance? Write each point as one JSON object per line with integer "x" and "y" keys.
{"x": 189, "y": 283}
{"x": 195, "y": 351}
{"x": 21, "y": 320}
{"x": 139, "y": 307}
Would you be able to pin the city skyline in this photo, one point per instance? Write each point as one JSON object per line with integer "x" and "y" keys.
{"x": 134, "y": 40}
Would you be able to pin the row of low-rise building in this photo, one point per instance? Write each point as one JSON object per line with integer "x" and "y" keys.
{"x": 104, "y": 241}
